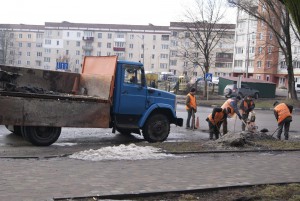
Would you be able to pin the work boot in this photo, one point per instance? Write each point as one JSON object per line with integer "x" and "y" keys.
{"x": 211, "y": 137}
{"x": 278, "y": 137}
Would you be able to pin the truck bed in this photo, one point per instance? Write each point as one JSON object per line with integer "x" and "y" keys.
{"x": 63, "y": 99}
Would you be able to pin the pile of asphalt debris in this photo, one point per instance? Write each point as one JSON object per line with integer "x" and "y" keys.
{"x": 239, "y": 140}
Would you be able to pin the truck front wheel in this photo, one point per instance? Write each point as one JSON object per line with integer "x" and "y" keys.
{"x": 41, "y": 135}
{"x": 157, "y": 128}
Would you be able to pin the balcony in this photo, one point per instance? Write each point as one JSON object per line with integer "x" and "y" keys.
{"x": 119, "y": 49}
{"x": 87, "y": 48}
{"x": 85, "y": 38}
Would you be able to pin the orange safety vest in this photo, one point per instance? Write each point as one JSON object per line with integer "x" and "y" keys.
{"x": 246, "y": 105}
{"x": 192, "y": 102}
{"x": 219, "y": 117}
{"x": 282, "y": 111}
{"x": 227, "y": 105}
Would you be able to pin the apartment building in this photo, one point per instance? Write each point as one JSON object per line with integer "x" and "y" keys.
{"x": 257, "y": 54}
{"x": 62, "y": 46}
{"x": 180, "y": 46}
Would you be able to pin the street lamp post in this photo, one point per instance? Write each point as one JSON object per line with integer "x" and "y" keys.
{"x": 143, "y": 38}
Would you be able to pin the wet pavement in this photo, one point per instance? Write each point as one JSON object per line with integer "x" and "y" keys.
{"x": 45, "y": 179}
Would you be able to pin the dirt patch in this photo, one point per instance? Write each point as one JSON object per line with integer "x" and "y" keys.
{"x": 288, "y": 192}
{"x": 243, "y": 141}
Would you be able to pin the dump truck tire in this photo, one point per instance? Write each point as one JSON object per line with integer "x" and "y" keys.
{"x": 41, "y": 135}
{"x": 157, "y": 128}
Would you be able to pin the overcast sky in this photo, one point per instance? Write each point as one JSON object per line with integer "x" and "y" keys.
{"x": 135, "y": 12}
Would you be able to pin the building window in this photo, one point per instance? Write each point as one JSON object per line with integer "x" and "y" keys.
{"x": 29, "y": 36}
{"x": 78, "y": 35}
{"x": 154, "y": 37}
{"x": 270, "y": 50}
{"x": 260, "y": 50}
{"x": 283, "y": 65}
{"x": 109, "y": 35}
{"x": 27, "y": 63}
{"x": 130, "y": 55}
{"x": 165, "y": 37}
{"x": 174, "y": 33}
{"x": 20, "y": 44}
{"x": 28, "y": 54}
{"x": 99, "y": 35}
{"x": 153, "y": 56}
{"x": 251, "y": 50}
{"x": 77, "y": 43}
{"x": 20, "y": 35}
{"x": 173, "y": 62}
{"x": 268, "y": 77}
{"x": 258, "y": 64}
{"x": 164, "y": 56}
{"x": 46, "y": 59}
{"x": 131, "y": 36}
{"x": 164, "y": 46}
{"x": 239, "y": 50}
{"x": 68, "y": 34}
{"x": 99, "y": 44}
{"x": 57, "y": 42}
{"x": 48, "y": 42}
{"x": 238, "y": 63}
{"x": 19, "y": 62}
{"x": 261, "y": 36}
{"x": 77, "y": 52}
{"x": 271, "y": 36}
{"x": 268, "y": 64}
{"x": 77, "y": 61}
{"x": 98, "y": 53}
{"x": 39, "y": 54}
{"x": 258, "y": 77}
{"x": 163, "y": 65}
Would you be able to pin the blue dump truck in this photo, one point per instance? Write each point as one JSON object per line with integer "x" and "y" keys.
{"x": 108, "y": 93}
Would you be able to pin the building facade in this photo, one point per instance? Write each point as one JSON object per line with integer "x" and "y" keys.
{"x": 62, "y": 46}
{"x": 257, "y": 54}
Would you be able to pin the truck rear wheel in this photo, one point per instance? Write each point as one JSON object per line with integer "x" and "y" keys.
{"x": 157, "y": 128}
{"x": 41, "y": 135}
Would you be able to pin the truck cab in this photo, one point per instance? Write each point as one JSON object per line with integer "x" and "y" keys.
{"x": 138, "y": 107}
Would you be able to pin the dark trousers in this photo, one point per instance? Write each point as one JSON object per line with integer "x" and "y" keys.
{"x": 286, "y": 125}
{"x": 244, "y": 117}
{"x": 191, "y": 114}
{"x": 214, "y": 130}
{"x": 225, "y": 128}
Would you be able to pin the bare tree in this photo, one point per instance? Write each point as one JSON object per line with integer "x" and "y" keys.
{"x": 276, "y": 17}
{"x": 204, "y": 34}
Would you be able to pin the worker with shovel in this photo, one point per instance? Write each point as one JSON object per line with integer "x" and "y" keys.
{"x": 191, "y": 108}
{"x": 247, "y": 105}
{"x": 215, "y": 120}
{"x": 231, "y": 103}
{"x": 283, "y": 114}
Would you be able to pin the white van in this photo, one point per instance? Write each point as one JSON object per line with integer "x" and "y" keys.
{"x": 297, "y": 87}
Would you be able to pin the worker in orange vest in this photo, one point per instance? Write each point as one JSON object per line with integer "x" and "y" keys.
{"x": 191, "y": 108}
{"x": 247, "y": 105}
{"x": 215, "y": 120}
{"x": 283, "y": 114}
{"x": 231, "y": 103}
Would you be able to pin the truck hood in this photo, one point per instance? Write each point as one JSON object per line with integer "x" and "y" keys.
{"x": 161, "y": 96}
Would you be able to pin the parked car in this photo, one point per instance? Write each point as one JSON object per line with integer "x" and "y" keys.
{"x": 231, "y": 90}
{"x": 297, "y": 87}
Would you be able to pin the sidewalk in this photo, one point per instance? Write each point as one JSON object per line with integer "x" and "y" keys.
{"x": 63, "y": 177}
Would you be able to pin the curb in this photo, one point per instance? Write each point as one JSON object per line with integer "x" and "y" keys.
{"x": 149, "y": 194}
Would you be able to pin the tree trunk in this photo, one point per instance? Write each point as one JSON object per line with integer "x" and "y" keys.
{"x": 292, "y": 94}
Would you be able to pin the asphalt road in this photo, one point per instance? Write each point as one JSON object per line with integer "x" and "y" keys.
{"x": 77, "y": 139}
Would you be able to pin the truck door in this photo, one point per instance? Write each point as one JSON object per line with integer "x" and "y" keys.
{"x": 133, "y": 92}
